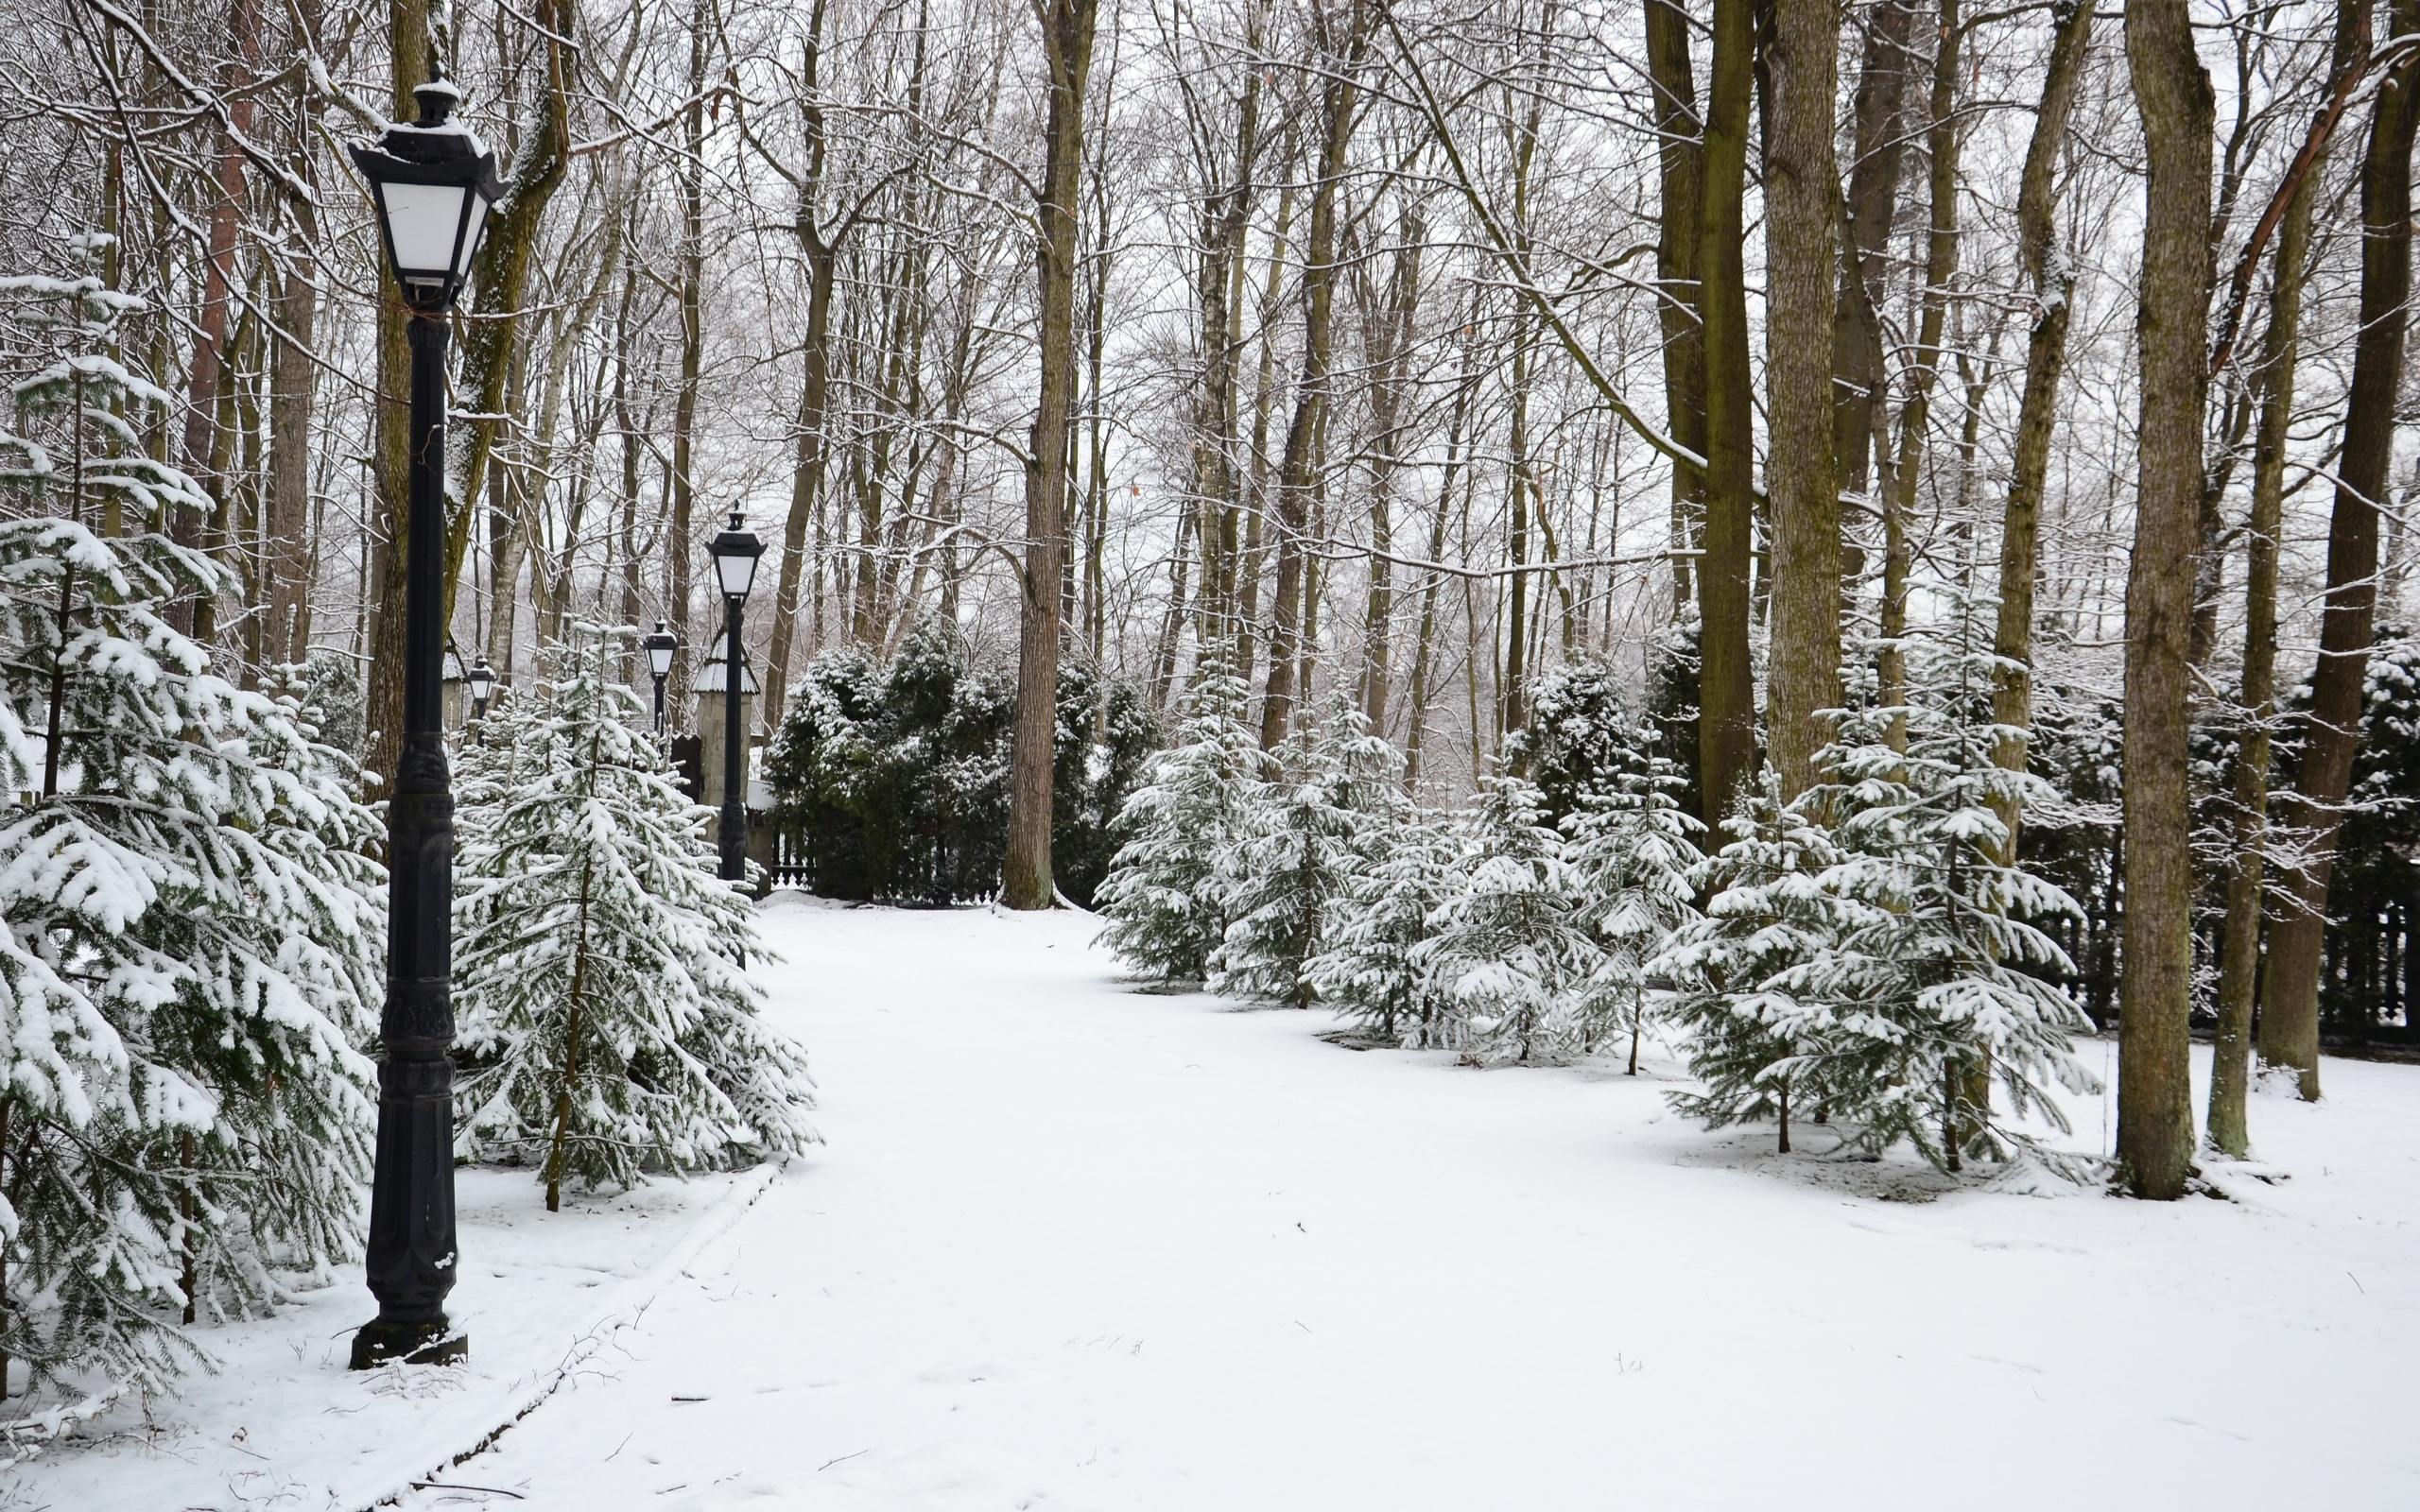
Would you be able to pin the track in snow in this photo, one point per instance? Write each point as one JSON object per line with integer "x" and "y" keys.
{"x": 1076, "y": 1247}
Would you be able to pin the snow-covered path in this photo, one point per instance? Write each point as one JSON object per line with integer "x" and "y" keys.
{"x": 1073, "y": 1246}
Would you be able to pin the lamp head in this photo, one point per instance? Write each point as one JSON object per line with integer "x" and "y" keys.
{"x": 481, "y": 681}
{"x": 433, "y": 183}
{"x": 661, "y": 647}
{"x": 734, "y": 552}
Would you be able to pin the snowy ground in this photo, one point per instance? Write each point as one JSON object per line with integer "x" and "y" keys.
{"x": 284, "y": 1424}
{"x": 1073, "y": 1246}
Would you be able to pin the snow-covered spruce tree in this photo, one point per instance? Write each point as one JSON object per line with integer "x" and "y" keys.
{"x": 1511, "y": 953}
{"x": 1371, "y": 967}
{"x": 1756, "y": 1041}
{"x": 1936, "y": 971}
{"x": 1634, "y": 849}
{"x": 192, "y": 923}
{"x": 608, "y": 1028}
{"x": 1162, "y": 895}
{"x": 1306, "y": 837}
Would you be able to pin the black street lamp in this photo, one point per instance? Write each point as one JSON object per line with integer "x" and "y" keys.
{"x": 480, "y": 679}
{"x": 734, "y": 552}
{"x": 432, "y": 183}
{"x": 661, "y": 647}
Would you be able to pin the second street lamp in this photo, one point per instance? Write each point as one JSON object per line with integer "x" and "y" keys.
{"x": 432, "y": 183}
{"x": 734, "y": 552}
{"x": 481, "y": 682}
{"x": 660, "y": 648}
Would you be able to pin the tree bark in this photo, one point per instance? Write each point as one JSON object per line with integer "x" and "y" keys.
{"x": 1295, "y": 478}
{"x": 1800, "y": 178}
{"x": 1879, "y": 112}
{"x": 1726, "y": 695}
{"x": 1680, "y": 171}
{"x": 2289, "y": 1015}
{"x": 2045, "y": 355}
{"x": 1915, "y": 413}
{"x": 2229, "y": 1125}
{"x": 1068, "y": 43}
{"x": 409, "y": 50}
{"x": 2154, "y": 1089}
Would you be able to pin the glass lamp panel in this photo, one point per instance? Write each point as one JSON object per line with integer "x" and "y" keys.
{"x": 469, "y": 244}
{"x": 659, "y": 661}
{"x": 739, "y": 571}
{"x": 422, "y": 219}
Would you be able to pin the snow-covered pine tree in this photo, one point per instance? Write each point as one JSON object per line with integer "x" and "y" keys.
{"x": 1304, "y": 838}
{"x": 1754, "y": 1038}
{"x": 608, "y": 1028}
{"x": 192, "y": 923}
{"x": 1162, "y": 895}
{"x": 1511, "y": 953}
{"x": 1937, "y": 970}
{"x": 1633, "y": 848}
{"x": 1371, "y": 969}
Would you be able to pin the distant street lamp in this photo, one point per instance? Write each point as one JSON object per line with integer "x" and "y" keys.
{"x": 734, "y": 552}
{"x": 661, "y": 647}
{"x": 481, "y": 682}
{"x": 432, "y": 183}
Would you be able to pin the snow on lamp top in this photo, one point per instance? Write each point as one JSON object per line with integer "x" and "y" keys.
{"x": 433, "y": 183}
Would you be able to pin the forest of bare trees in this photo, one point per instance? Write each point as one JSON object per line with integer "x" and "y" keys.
{"x": 1381, "y": 350}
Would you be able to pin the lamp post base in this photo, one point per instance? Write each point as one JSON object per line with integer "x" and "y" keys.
{"x": 383, "y": 1341}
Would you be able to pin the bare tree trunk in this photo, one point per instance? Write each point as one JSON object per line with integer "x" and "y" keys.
{"x": 1726, "y": 697}
{"x": 821, "y": 251}
{"x": 1879, "y": 111}
{"x": 1068, "y": 43}
{"x": 2290, "y": 999}
{"x": 409, "y": 50}
{"x": 1800, "y": 178}
{"x": 207, "y": 380}
{"x": 2046, "y": 357}
{"x": 1915, "y": 413}
{"x": 681, "y": 546}
{"x": 1391, "y": 353}
{"x": 2229, "y": 1125}
{"x": 2154, "y": 1089}
{"x": 287, "y": 560}
{"x": 1680, "y": 164}
{"x": 1295, "y": 480}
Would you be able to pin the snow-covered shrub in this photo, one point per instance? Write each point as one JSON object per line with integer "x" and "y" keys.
{"x": 1866, "y": 954}
{"x": 1752, "y": 1035}
{"x": 1936, "y": 971}
{"x": 190, "y": 924}
{"x": 192, "y": 946}
{"x": 609, "y": 1024}
{"x": 1511, "y": 953}
{"x": 1633, "y": 850}
{"x": 1162, "y": 896}
{"x": 892, "y": 781}
{"x": 1304, "y": 838}
{"x": 1371, "y": 967}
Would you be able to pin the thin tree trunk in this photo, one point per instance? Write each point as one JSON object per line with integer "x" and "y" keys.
{"x": 2046, "y": 357}
{"x": 681, "y": 546}
{"x": 2229, "y": 1125}
{"x": 1068, "y": 43}
{"x": 2290, "y": 999}
{"x": 1726, "y": 697}
{"x": 1915, "y": 413}
{"x": 1680, "y": 168}
{"x": 1879, "y": 112}
{"x": 2154, "y": 1089}
{"x": 1800, "y": 178}
{"x": 408, "y": 53}
{"x": 1295, "y": 479}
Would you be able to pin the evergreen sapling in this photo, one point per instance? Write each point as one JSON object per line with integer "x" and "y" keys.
{"x": 609, "y": 1025}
